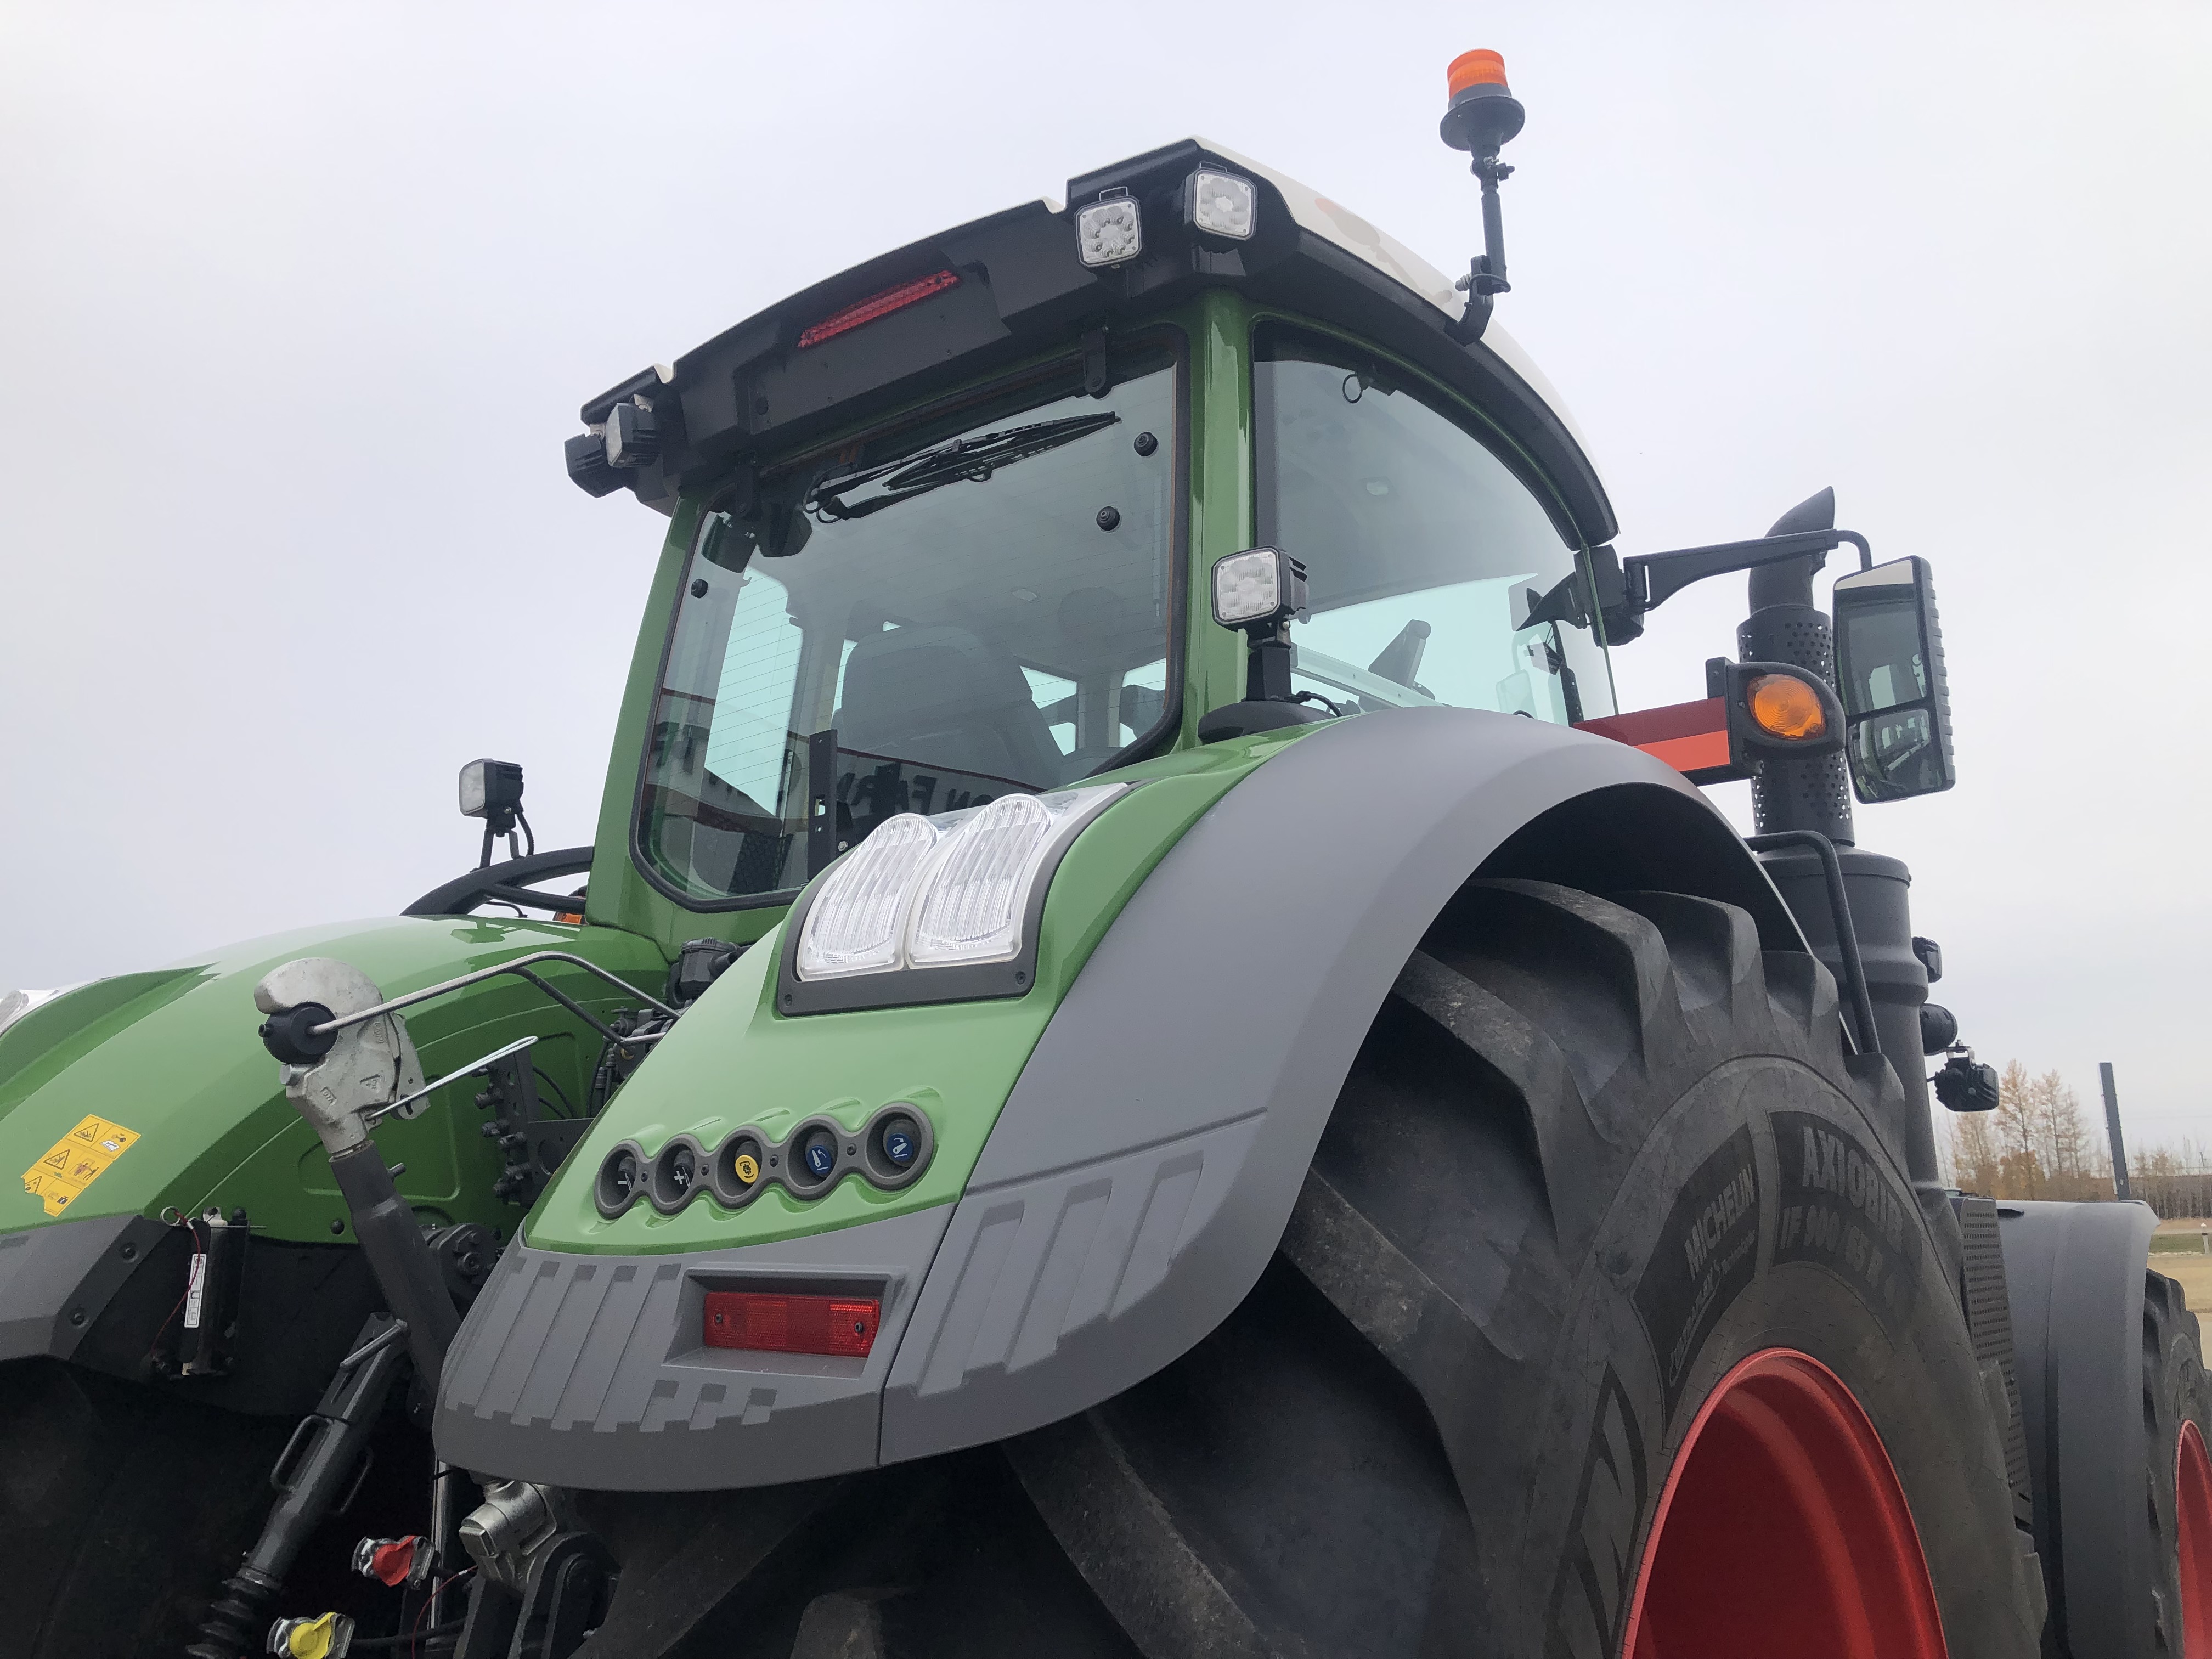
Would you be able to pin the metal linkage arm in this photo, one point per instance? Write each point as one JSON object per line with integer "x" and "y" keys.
{"x": 518, "y": 967}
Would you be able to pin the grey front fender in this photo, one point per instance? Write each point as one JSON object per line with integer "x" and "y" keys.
{"x": 1141, "y": 1171}
{"x": 1145, "y": 1164}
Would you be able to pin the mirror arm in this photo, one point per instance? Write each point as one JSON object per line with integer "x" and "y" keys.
{"x": 1627, "y": 588}
{"x": 1655, "y": 578}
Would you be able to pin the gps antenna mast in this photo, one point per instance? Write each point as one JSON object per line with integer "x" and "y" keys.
{"x": 1483, "y": 116}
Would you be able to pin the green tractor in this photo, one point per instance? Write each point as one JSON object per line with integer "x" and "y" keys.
{"x": 1146, "y": 1064}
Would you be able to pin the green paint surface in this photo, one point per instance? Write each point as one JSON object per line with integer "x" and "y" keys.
{"x": 174, "y": 1055}
{"x": 733, "y": 1061}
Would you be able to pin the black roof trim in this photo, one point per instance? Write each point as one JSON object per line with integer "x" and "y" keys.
{"x": 1022, "y": 290}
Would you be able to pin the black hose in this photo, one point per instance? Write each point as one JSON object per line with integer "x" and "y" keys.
{"x": 376, "y": 1643}
{"x": 568, "y": 1106}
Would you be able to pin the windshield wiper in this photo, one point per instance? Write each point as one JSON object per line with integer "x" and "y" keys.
{"x": 972, "y": 460}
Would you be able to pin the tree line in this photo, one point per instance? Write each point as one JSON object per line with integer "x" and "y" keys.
{"x": 2037, "y": 1144}
{"x": 2040, "y": 1142}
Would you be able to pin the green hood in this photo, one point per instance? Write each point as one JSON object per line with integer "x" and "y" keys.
{"x": 171, "y": 1058}
{"x": 735, "y": 1060}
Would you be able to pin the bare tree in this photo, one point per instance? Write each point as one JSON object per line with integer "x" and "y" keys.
{"x": 2020, "y": 1172}
{"x": 1976, "y": 1152}
{"x": 2075, "y": 1165}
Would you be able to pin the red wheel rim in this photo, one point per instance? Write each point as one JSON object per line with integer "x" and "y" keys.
{"x": 1782, "y": 1530}
{"x": 2192, "y": 1510}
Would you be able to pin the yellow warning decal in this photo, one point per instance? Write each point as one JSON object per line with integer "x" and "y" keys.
{"x": 76, "y": 1161}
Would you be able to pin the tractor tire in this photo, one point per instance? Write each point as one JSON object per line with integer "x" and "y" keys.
{"x": 1602, "y": 1187}
{"x": 2178, "y": 1417}
{"x": 121, "y": 1510}
{"x": 1606, "y": 1326}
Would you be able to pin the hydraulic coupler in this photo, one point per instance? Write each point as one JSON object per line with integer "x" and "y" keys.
{"x": 325, "y": 1458}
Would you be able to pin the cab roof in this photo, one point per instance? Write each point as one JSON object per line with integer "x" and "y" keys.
{"x": 1012, "y": 283}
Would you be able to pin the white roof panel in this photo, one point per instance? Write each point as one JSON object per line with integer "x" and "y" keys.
{"x": 1372, "y": 245}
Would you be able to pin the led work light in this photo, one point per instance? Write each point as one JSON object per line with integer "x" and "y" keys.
{"x": 633, "y": 437}
{"x": 1109, "y": 232}
{"x": 1220, "y": 204}
{"x": 492, "y": 790}
{"x": 1258, "y": 589}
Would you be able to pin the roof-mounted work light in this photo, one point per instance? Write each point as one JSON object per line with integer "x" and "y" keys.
{"x": 633, "y": 436}
{"x": 1110, "y": 231}
{"x": 1483, "y": 115}
{"x": 1220, "y": 204}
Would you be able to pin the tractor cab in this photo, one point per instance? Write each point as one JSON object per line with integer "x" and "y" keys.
{"x": 955, "y": 534}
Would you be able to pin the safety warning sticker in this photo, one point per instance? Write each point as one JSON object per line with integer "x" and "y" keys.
{"x": 76, "y": 1161}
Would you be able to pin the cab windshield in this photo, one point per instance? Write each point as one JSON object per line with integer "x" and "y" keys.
{"x": 1424, "y": 552}
{"x": 918, "y": 622}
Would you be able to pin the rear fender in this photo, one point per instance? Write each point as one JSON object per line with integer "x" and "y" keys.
{"x": 1144, "y": 1169}
{"x": 2073, "y": 1275}
{"x": 1144, "y": 1162}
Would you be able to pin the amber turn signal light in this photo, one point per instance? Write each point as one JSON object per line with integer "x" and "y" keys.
{"x": 1782, "y": 706}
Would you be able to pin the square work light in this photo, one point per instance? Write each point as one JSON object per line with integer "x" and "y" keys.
{"x": 491, "y": 789}
{"x": 1109, "y": 232}
{"x": 1220, "y": 204}
{"x": 1257, "y": 589}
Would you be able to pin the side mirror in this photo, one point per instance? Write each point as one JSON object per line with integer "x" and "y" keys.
{"x": 1889, "y": 664}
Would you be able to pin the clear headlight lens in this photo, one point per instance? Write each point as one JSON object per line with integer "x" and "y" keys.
{"x": 971, "y": 910}
{"x": 854, "y": 925}
{"x": 941, "y": 892}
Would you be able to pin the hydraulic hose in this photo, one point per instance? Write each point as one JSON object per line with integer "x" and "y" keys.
{"x": 406, "y": 1272}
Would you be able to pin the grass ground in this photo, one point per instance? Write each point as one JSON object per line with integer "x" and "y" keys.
{"x": 2188, "y": 1265}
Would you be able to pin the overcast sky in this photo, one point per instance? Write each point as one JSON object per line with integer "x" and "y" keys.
{"x": 297, "y": 304}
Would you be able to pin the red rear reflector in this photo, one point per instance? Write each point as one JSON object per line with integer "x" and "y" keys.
{"x": 840, "y": 1326}
{"x": 878, "y": 305}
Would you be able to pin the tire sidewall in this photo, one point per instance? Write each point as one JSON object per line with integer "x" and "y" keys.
{"x": 1764, "y": 1211}
{"x": 2179, "y": 1392}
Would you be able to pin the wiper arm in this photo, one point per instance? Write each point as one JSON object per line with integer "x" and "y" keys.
{"x": 972, "y": 460}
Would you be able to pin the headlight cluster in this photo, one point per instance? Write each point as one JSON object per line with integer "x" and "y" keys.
{"x": 891, "y": 1151}
{"x": 949, "y": 895}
